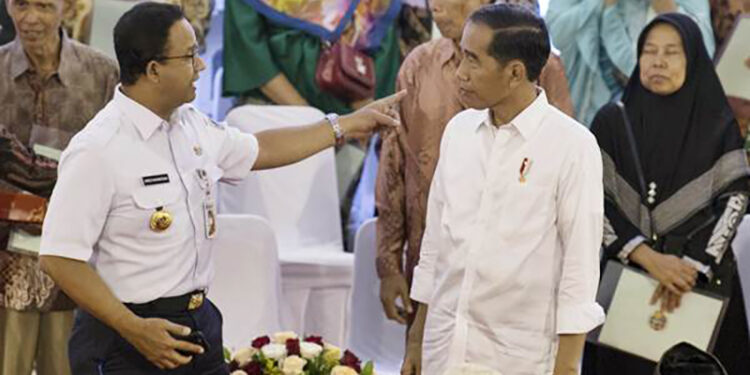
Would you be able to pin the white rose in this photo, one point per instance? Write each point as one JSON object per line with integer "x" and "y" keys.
{"x": 310, "y": 350}
{"x": 238, "y": 372}
{"x": 293, "y": 365}
{"x": 343, "y": 370}
{"x": 274, "y": 351}
{"x": 244, "y": 356}
{"x": 281, "y": 337}
{"x": 332, "y": 353}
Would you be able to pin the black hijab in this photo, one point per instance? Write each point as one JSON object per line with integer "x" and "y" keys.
{"x": 679, "y": 137}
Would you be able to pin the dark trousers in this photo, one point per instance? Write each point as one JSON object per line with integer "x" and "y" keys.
{"x": 96, "y": 349}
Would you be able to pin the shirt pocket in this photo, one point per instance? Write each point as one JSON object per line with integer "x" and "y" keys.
{"x": 149, "y": 200}
{"x": 153, "y": 197}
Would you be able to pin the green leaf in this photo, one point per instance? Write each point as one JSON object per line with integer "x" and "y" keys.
{"x": 227, "y": 355}
{"x": 368, "y": 369}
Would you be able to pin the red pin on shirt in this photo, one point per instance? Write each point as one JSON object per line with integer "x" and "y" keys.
{"x": 524, "y": 171}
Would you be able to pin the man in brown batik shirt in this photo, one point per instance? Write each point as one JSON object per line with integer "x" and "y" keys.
{"x": 408, "y": 158}
{"x": 51, "y": 87}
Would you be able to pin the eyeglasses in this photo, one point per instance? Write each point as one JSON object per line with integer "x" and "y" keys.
{"x": 192, "y": 56}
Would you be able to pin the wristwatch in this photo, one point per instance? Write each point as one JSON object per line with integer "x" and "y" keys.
{"x": 333, "y": 119}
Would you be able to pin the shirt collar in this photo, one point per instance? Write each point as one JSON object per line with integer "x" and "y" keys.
{"x": 146, "y": 121}
{"x": 528, "y": 121}
{"x": 447, "y": 51}
{"x": 69, "y": 63}
{"x": 68, "y": 60}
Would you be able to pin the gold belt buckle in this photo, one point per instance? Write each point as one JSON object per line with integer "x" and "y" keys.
{"x": 196, "y": 300}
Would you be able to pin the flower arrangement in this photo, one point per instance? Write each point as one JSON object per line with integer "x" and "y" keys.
{"x": 286, "y": 354}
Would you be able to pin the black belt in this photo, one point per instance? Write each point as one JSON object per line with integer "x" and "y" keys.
{"x": 185, "y": 302}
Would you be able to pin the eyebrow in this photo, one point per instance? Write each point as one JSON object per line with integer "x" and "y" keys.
{"x": 651, "y": 44}
{"x": 470, "y": 54}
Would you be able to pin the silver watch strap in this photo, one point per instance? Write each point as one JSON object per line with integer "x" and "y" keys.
{"x": 333, "y": 120}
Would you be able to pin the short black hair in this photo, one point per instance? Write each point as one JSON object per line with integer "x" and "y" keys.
{"x": 141, "y": 35}
{"x": 518, "y": 34}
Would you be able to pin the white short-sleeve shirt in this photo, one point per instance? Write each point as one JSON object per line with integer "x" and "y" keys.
{"x": 126, "y": 164}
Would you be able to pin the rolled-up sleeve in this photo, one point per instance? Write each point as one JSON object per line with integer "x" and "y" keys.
{"x": 617, "y": 41}
{"x": 79, "y": 205}
{"x": 580, "y": 224}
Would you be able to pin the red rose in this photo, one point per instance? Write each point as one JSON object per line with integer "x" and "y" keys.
{"x": 261, "y": 342}
{"x": 253, "y": 368}
{"x": 315, "y": 340}
{"x": 351, "y": 360}
{"x": 292, "y": 347}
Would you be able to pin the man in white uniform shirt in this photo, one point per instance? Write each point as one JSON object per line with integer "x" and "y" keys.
{"x": 136, "y": 198}
{"x": 509, "y": 263}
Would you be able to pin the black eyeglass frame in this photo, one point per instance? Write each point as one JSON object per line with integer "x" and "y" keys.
{"x": 192, "y": 56}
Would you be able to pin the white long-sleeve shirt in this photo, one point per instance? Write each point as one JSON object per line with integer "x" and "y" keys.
{"x": 510, "y": 255}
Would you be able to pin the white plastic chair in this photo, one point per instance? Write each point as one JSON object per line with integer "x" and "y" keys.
{"x": 300, "y": 201}
{"x": 246, "y": 287}
{"x": 372, "y": 336}
{"x": 106, "y": 14}
{"x": 741, "y": 247}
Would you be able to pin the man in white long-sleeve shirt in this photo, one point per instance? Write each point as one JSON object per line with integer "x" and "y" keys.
{"x": 509, "y": 262}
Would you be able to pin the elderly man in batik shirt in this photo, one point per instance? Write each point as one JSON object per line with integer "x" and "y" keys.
{"x": 51, "y": 87}
{"x": 408, "y": 159}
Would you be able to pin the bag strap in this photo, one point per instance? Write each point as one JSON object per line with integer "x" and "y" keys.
{"x": 633, "y": 148}
{"x": 636, "y": 158}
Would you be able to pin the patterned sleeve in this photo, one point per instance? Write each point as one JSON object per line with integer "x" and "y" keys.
{"x": 390, "y": 199}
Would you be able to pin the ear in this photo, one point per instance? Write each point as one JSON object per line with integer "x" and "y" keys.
{"x": 517, "y": 72}
{"x": 152, "y": 72}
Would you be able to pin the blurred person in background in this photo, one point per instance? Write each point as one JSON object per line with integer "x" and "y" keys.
{"x": 51, "y": 87}
{"x": 696, "y": 179}
{"x": 724, "y": 14}
{"x": 597, "y": 43}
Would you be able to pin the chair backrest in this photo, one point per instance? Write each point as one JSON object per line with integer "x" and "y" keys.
{"x": 299, "y": 200}
{"x": 247, "y": 285}
{"x": 372, "y": 335}
{"x": 741, "y": 247}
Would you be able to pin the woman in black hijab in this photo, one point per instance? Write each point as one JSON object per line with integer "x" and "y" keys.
{"x": 676, "y": 220}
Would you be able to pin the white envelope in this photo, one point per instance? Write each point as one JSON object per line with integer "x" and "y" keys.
{"x": 627, "y": 325}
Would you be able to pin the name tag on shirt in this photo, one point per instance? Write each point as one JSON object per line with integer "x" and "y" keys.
{"x": 156, "y": 179}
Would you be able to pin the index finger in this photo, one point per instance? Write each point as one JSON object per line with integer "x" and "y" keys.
{"x": 393, "y": 99}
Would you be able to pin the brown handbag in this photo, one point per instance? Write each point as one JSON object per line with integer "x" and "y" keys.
{"x": 346, "y": 73}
